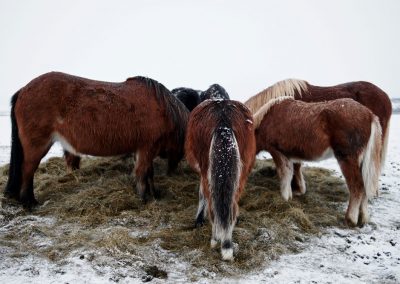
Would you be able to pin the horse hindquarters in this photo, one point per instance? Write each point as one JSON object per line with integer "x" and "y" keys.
{"x": 362, "y": 176}
{"x": 223, "y": 177}
{"x": 25, "y": 157}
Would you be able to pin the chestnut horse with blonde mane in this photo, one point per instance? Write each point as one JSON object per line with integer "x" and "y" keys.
{"x": 220, "y": 146}
{"x": 94, "y": 118}
{"x": 292, "y": 131}
{"x": 365, "y": 93}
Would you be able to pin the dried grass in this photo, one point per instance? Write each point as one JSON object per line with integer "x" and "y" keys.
{"x": 96, "y": 209}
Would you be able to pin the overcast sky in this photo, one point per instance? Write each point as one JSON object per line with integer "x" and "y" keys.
{"x": 243, "y": 45}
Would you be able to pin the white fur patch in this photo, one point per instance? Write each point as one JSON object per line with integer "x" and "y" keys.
{"x": 364, "y": 210}
{"x": 385, "y": 146}
{"x": 57, "y": 137}
{"x": 286, "y": 179}
{"x": 327, "y": 154}
{"x": 227, "y": 254}
{"x": 371, "y": 159}
{"x": 354, "y": 211}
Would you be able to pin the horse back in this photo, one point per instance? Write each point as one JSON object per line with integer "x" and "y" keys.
{"x": 92, "y": 115}
{"x": 363, "y": 92}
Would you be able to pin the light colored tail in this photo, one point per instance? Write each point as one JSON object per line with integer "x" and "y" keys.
{"x": 223, "y": 177}
{"x": 371, "y": 159}
{"x": 385, "y": 145}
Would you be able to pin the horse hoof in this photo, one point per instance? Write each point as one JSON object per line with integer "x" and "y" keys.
{"x": 156, "y": 194}
{"x": 350, "y": 223}
{"x": 227, "y": 254}
{"x": 297, "y": 192}
{"x": 29, "y": 204}
{"x": 199, "y": 222}
{"x": 213, "y": 243}
{"x": 11, "y": 195}
{"x": 144, "y": 199}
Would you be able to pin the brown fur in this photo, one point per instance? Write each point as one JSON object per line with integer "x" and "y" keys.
{"x": 100, "y": 119}
{"x": 294, "y": 131}
{"x": 363, "y": 92}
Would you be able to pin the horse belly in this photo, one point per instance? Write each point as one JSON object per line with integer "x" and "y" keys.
{"x": 94, "y": 146}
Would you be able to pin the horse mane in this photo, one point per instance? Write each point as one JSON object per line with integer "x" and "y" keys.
{"x": 175, "y": 109}
{"x": 286, "y": 87}
{"x": 259, "y": 115}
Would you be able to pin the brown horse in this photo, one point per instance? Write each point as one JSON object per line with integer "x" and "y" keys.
{"x": 365, "y": 93}
{"x": 220, "y": 146}
{"x": 95, "y": 118}
{"x": 295, "y": 131}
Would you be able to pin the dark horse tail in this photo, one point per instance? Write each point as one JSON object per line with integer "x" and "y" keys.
{"x": 224, "y": 174}
{"x": 17, "y": 156}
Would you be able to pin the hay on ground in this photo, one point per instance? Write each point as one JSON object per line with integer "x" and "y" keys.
{"x": 96, "y": 209}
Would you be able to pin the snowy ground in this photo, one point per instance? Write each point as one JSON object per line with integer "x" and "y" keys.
{"x": 367, "y": 255}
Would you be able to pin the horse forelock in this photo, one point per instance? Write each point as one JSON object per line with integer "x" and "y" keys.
{"x": 287, "y": 87}
{"x": 259, "y": 115}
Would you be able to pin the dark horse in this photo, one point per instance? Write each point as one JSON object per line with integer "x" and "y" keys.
{"x": 365, "y": 93}
{"x": 95, "y": 118}
{"x": 220, "y": 146}
{"x": 191, "y": 98}
{"x": 295, "y": 131}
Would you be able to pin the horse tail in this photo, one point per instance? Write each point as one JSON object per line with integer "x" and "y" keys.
{"x": 17, "y": 156}
{"x": 385, "y": 141}
{"x": 371, "y": 159}
{"x": 223, "y": 177}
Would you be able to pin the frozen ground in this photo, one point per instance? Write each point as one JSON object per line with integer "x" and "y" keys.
{"x": 367, "y": 255}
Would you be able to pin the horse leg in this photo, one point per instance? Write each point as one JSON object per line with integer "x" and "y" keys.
{"x": 142, "y": 167}
{"x": 173, "y": 162}
{"x": 226, "y": 240}
{"x": 352, "y": 173}
{"x": 73, "y": 162}
{"x": 150, "y": 182}
{"x": 364, "y": 216}
{"x": 32, "y": 158}
{"x": 284, "y": 167}
{"x": 298, "y": 184}
{"x": 202, "y": 210}
{"x": 214, "y": 240}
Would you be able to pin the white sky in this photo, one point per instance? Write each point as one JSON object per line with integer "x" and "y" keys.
{"x": 243, "y": 45}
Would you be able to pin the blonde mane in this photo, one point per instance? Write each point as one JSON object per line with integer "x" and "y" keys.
{"x": 259, "y": 115}
{"x": 286, "y": 87}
